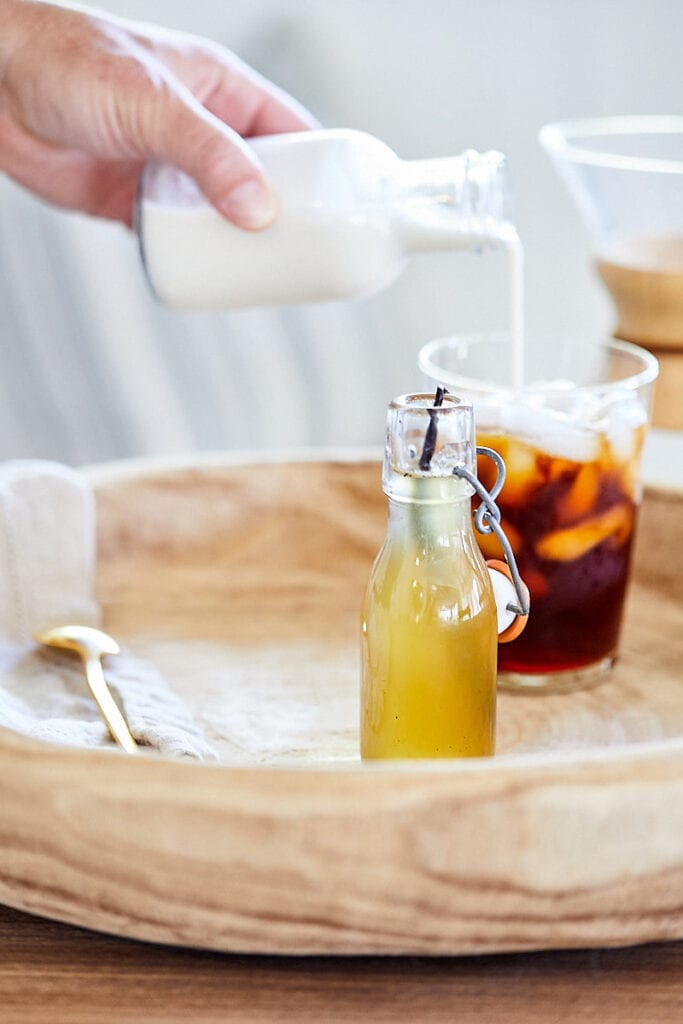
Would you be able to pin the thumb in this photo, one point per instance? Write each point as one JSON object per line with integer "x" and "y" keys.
{"x": 223, "y": 165}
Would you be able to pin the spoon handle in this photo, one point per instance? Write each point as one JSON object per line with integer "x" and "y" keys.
{"x": 116, "y": 723}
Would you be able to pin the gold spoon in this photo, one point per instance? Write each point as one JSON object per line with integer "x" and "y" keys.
{"x": 91, "y": 645}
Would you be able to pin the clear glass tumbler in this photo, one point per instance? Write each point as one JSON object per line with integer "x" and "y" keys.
{"x": 572, "y": 441}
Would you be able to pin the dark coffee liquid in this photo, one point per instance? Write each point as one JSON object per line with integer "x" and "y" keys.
{"x": 571, "y": 528}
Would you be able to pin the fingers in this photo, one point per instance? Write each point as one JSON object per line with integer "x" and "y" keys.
{"x": 253, "y": 105}
{"x": 239, "y": 103}
{"x": 208, "y": 102}
{"x": 227, "y": 87}
{"x": 69, "y": 178}
{"x": 126, "y": 96}
{"x": 220, "y": 161}
{"x": 261, "y": 113}
{"x": 274, "y": 115}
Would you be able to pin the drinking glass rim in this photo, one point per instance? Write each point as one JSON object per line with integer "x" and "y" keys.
{"x": 559, "y": 140}
{"x": 632, "y": 382}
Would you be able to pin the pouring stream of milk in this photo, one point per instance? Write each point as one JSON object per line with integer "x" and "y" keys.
{"x": 515, "y": 256}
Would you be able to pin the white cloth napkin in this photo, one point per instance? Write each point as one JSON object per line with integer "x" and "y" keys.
{"x": 47, "y": 572}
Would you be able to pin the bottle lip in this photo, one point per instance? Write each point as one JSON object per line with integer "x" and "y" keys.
{"x": 425, "y": 400}
{"x": 428, "y": 435}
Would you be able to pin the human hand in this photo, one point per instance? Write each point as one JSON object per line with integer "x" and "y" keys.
{"x": 86, "y": 99}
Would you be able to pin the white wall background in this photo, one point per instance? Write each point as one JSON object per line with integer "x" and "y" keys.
{"x": 93, "y": 369}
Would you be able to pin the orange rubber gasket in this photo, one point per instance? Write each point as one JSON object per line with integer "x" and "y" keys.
{"x": 518, "y": 624}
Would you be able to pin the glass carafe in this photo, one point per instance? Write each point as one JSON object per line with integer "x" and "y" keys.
{"x": 625, "y": 175}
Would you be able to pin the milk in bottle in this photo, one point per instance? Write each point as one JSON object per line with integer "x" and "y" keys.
{"x": 350, "y": 215}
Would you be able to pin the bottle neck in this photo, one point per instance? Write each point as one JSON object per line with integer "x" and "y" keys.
{"x": 428, "y": 509}
{"x": 452, "y": 202}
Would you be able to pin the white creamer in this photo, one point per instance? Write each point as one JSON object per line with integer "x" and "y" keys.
{"x": 350, "y": 215}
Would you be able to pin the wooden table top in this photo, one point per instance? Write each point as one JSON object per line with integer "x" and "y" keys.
{"x": 54, "y": 973}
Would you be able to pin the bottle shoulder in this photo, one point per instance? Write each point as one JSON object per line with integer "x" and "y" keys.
{"x": 422, "y": 580}
{"x": 332, "y": 155}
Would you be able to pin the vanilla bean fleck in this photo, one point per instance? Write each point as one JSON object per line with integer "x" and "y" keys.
{"x": 432, "y": 431}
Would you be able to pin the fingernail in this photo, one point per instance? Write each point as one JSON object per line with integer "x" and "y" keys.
{"x": 250, "y": 205}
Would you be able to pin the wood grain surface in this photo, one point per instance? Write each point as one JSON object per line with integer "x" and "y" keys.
{"x": 55, "y": 974}
{"x": 243, "y": 585}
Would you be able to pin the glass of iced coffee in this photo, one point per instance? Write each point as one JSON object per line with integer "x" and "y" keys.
{"x": 571, "y": 439}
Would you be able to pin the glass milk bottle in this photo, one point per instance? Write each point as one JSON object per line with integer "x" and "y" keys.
{"x": 429, "y": 625}
{"x": 350, "y": 215}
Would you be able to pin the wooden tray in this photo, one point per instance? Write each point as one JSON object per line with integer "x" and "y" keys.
{"x": 243, "y": 584}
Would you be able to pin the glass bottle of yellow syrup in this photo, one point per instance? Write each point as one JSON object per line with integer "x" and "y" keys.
{"x": 429, "y": 621}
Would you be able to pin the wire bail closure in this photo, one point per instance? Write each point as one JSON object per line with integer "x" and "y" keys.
{"x": 487, "y": 520}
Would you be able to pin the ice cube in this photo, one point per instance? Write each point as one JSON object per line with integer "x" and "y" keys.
{"x": 523, "y": 472}
{"x": 552, "y": 431}
{"x": 576, "y": 541}
{"x": 622, "y": 424}
{"x": 580, "y": 499}
{"x": 488, "y": 415}
{"x": 453, "y": 453}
